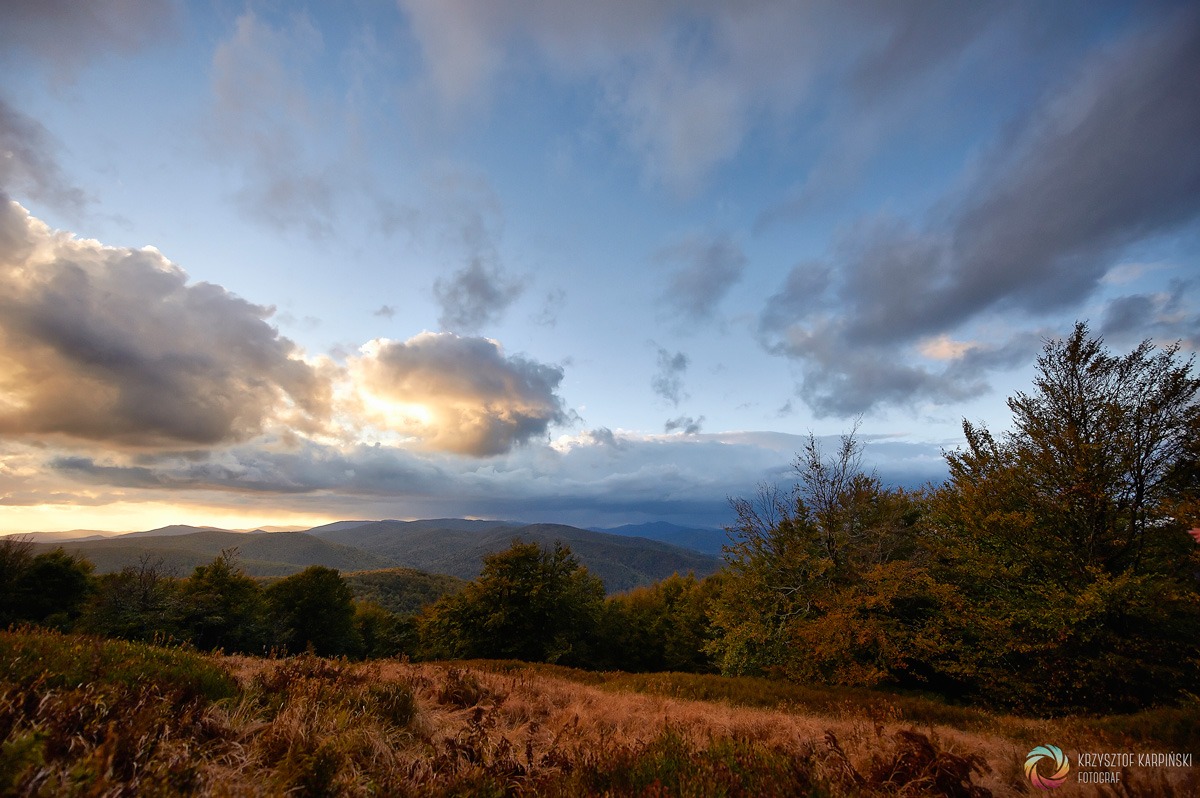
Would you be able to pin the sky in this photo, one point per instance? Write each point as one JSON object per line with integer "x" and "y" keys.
{"x": 591, "y": 263}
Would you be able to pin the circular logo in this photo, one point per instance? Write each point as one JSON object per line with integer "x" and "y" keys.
{"x": 1057, "y": 760}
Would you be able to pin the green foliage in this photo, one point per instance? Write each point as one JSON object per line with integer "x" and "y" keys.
{"x": 48, "y": 588}
{"x": 1050, "y": 574}
{"x": 16, "y": 555}
{"x": 42, "y": 660}
{"x": 139, "y": 603}
{"x": 221, "y": 607}
{"x": 529, "y": 603}
{"x": 314, "y": 609}
{"x": 663, "y": 627}
{"x": 383, "y": 634}
{"x": 402, "y": 591}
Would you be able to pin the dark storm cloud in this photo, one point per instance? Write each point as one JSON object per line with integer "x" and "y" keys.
{"x": 915, "y": 39}
{"x": 668, "y": 381}
{"x": 461, "y": 395}
{"x": 706, "y": 267}
{"x": 114, "y": 345}
{"x": 841, "y": 379}
{"x": 1109, "y": 158}
{"x": 475, "y": 296}
{"x": 27, "y": 162}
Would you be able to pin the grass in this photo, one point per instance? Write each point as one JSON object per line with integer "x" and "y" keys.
{"x": 84, "y": 716}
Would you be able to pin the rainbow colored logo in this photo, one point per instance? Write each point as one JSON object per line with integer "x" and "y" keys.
{"x": 1061, "y": 767}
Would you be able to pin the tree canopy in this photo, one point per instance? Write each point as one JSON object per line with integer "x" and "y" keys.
{"x": 1052, "y": 572}
{"x": 529, "y": 603}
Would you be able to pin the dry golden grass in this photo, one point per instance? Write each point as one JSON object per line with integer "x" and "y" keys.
{"x": 536, "y": 726}
{"x": 83, "y": 716}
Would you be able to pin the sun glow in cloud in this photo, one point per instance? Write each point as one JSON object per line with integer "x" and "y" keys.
{"x": 395, "y": 414}
{"x": 942, "y": 347}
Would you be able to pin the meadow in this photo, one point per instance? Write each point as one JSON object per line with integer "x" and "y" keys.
{"x": 88, "y": 716}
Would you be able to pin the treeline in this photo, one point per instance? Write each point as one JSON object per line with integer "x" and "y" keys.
{"x": 1052, "y": 572}
{"x": 217, "y": 607}
{"x": 529, "y": 603}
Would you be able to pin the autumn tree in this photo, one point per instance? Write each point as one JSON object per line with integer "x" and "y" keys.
{"x": 530, "y": 603}
{"x": 827, "y": 582}
{"x": 1061, "y": 533}
{"x": 659, "y": 627}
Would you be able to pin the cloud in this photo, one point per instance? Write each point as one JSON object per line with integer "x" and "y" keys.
{"x": 668, "y": 382}
{"x": 683, "y": 85}
{"x": 554, "y": 300}
{"x": 65, "y": 35}
{"x": 1166, "y": 316}
{"x": 464, "y": 215}
{"x": 598, "y": 477}
{"x": 27, "y": 162}
{"x": 706, "y": 268}
{"x": 303, "y": 468}
{"x": 1106, "y": 159}
{"x": 266, "y": 125}
{"x": 684, "y": 424}
{"x": 460, "y": 395}
{"x": 385, "y": 312}
{"x": 475, "y": 296}
{"x": 115, "y": 346}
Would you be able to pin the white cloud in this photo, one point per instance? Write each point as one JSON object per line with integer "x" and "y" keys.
{"x": 114, "y": 345}
{"x": 453, "y": 394}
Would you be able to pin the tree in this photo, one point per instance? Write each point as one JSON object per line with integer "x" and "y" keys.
{"x": 529, "y": 603}
{"x": 16, "y": 555}
{"x": 383, "y": 633}
{"x": 138, "y": 603}
{"x": 1062, "y": 536}
{"x": 314, "y": 609}
{"x": 828, "y": 582}
{"x": 221, "y": 607}
{"x": 53, "y": 588}
{"x": 1099, "y": 438}
{"x": 48, "y": 588}
{"x": 661, "y": 627}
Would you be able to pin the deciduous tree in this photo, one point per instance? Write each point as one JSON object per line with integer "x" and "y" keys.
{"x": 529, "y": 603}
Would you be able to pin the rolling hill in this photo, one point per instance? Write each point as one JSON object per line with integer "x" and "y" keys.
{"x": 265, "y": 554}
{"x": 401, "y": 590}
{"x": 450, "y": 546}
{"x": 701, "y": 539}
{"x": 457, "y": 547}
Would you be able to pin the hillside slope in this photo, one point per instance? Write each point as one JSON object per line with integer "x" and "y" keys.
{"x": 401, "y": 590}
{"x": 266, "y": 554}
{"x": 457, "y": 547}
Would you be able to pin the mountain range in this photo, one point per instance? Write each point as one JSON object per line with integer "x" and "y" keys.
{"x": 450, "y": 546}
